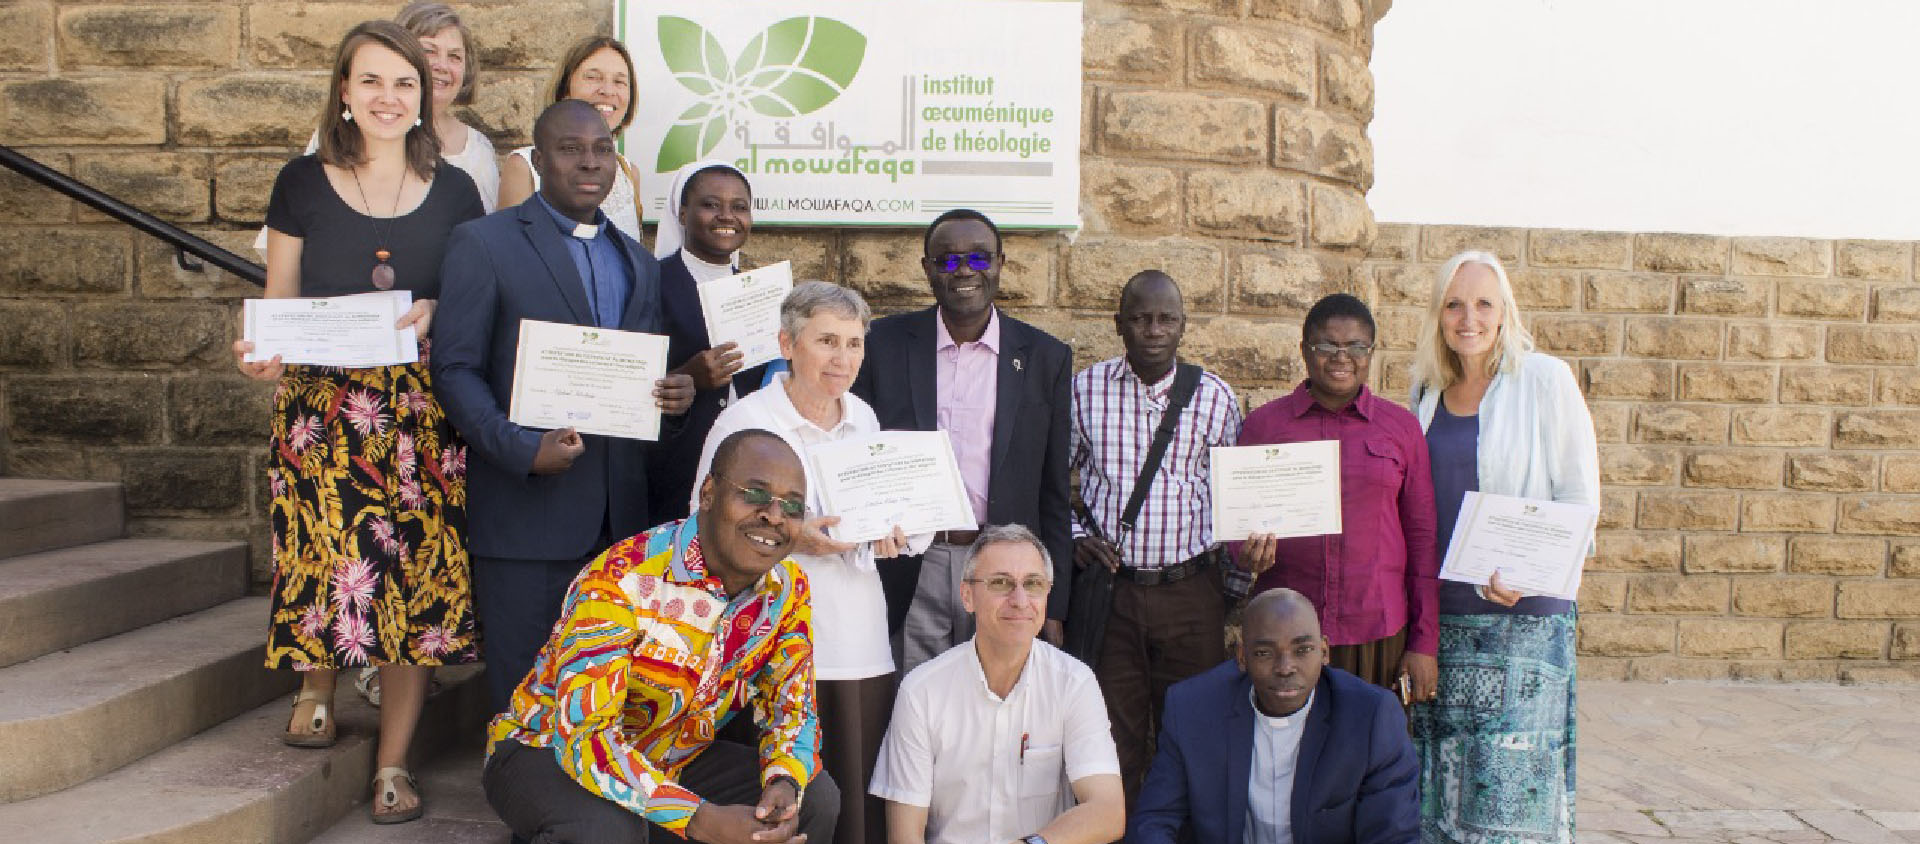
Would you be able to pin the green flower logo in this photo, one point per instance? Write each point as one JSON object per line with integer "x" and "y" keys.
{"x": 791, "y": 68}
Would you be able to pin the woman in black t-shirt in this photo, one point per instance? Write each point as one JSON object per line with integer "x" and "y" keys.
{"x": 368, "y": 479}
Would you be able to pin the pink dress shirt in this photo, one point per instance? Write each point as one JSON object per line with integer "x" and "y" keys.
{"x": 967, "y": 384}
{"x": 1382, "y": 572}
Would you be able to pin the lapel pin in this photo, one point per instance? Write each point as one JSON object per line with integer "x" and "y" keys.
{"x": 1016, "y": 364}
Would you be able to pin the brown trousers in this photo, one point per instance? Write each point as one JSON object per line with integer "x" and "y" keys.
{"x": 853, "y": 720}
{"x": 1156, "y": 636}
{"x": 1377, "y": 662}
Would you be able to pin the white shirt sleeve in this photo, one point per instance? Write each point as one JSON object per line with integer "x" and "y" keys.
{"x": 903, "y": 773}
{"x": 1089, "y": 738}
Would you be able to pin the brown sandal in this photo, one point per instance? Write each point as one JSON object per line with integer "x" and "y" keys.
{"x": 385, "y": 797}
{"x": 321, "y": 731}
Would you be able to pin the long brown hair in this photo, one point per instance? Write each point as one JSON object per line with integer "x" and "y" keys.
{"x": 577, "y": 55}
{"x": 340, "y": 142}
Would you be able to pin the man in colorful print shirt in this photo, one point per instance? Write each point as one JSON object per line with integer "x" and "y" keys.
{"x": 663, "y": 639}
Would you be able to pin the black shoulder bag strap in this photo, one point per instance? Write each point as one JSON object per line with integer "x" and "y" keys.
{"x": 1185, "y": 380}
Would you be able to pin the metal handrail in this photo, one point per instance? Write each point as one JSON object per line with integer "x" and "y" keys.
{"x": 183, "y": 241}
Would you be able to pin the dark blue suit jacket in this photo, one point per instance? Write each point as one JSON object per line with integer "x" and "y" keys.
{"x": 672, "y": 468}
{"x": 511, "y": 265}
{"x": 1357, "y": 779}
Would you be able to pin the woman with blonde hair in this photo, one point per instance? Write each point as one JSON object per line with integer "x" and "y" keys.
{"x": 598, "y": 70}
{"x": 1497, "y": 756}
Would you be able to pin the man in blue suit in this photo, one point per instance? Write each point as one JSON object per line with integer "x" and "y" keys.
{"x": 1308, "y": 754}
{"x": 542, "y": 504}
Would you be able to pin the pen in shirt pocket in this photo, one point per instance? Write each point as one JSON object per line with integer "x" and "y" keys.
{"x": 1023, "y": 747}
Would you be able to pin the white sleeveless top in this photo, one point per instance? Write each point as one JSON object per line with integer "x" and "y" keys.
{"x": 621, "y": 206}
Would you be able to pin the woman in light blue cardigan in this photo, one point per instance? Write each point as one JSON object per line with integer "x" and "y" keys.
{"x": 1497, "y": 746}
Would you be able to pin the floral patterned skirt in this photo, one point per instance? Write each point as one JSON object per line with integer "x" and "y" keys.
{"x": 369, "y": 520}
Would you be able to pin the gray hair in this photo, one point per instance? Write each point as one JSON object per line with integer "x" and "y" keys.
{"x": 1005, "y": 535}
{"x": 811, "y": 297}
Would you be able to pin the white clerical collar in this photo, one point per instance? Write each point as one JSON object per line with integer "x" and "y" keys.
{"x": 1281, "y": 722}
{"x": 586, "y": 231}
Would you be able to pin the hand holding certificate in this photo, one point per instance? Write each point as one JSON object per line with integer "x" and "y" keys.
{"x": 1290, "y": 489}
{"x": 745, "y": 309}
{"x": 1537, "y": 546}
{"x": 905, "y": 478}
{"x": 350, "y": 331}
{"x": 593, "y": 380}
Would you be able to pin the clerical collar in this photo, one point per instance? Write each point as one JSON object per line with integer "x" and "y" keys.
{"x": 574, "y": 228}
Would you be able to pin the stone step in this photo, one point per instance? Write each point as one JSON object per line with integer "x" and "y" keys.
{"x": 71, "y": 596}
{"x": 73, "y": 715}
{"x": 237, "y": 782}
{"x": 457, "y": 811}
{"x": 38, "y": 515}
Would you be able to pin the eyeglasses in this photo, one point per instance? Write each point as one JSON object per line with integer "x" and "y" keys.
{"x": 976, "y": 261}
{"x": 1355, "y": 351}
{"x": 1002, "y": 585}
{"x": 792, "y": 507}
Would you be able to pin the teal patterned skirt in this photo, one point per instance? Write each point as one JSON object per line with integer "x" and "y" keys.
{"x": 1496, "y": 748}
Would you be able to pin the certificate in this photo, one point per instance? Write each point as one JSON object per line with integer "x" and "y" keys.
{"x": 1537, "y": 546}
{"x": 905, "y": 478}
{"x": 1290, "y": 489}
{"x": 351, "y": 331}
{"x": 745, "y": 309}
{"x": 593, "y": 380}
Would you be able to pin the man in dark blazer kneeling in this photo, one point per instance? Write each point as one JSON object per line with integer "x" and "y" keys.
{"x": 1274, "y": 747}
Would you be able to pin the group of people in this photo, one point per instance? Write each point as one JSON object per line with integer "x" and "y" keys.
{"x": 674, "y": 640}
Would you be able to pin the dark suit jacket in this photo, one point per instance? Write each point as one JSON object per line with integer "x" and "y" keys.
{"x": 1357, "y": 779}
{"x": 511, "y": 265}
{"x": 1027, "y": 480}
{"x": 672, "y": 467}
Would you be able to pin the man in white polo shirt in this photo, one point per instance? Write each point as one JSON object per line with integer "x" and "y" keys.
{"x": 1004, "y": 737}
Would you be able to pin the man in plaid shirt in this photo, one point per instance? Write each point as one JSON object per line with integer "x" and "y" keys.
{"x": 1168, "y": 608}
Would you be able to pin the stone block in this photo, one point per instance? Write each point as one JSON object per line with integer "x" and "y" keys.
{"x": 535, "y": 35}
{"x": 1899, "y": 386}
{"x": 1779, "y": 426}
{"x": 1870, "y": 675}
{"x": 118, "y": 109}
{"x": 1602, "y": 593}
{"x": 1287, "y": 282}
{"x": 1685, "y": 339}
{"x": 1398, "y": 329}
{"x": 1243, "y": 56}
{"x": 1837, "y": 555}
{"x": 1734, "y": 554}
{"x": 1889, "y": 515}
{"x": 1825, "y": 385}
{"x": 1665, "y": 594}
{"x": 1629, "y": 379}
{"x": 1392, "y": 375}
{"x": 1091, "y": 338}
{"x": 1824, "y": 673}
{"x": 1900, "y": 473}
{"x": 1730, "y": 639}
{"x": 1630, "y": 292}
{"x": 23, "y": 200}
{"x": 1210, "y": 7}
{"x": 163, "y": 481}
{"x": 1906, "y": 560}
{"x": 1836, "y": 640}
{"x": 55, "y": 462}
{"x": 1879, "y": 260}
{"x": 1097, "y": 267}
{"x": 1575, "y": 334}
{"x": 511, "y": 102}
{"x": 1346, "y": 83}
{"x": 1896, "y": 304}
{"x": 1027, "y": 274}
{"x": 1394, "y": 242}
{"x": 1440, "y": 243}
{"x": 1877, "y": 429}
{"x": 1687, "y": 511}
{"x": 188, "y": 36}
{"x": 157, "y": 335}
{"x": 1821, "y": 299}
{"x": 157, "y": 273}
{"x": 1777, "y": 256}
{"x": 30, "y": 26}
{"x": 885, "y": 266}
{"x": 1715, "y": 296}
{"x": 1336, "y": 17}
{"x": 1772, "y": 341}
{"x": 1681, "y": 423}
{"x": 57, "y": 261}
{"x": 92, "y": 409}
{"x": 1662, "y": 669}
{"x": 1786, "y": 513}
{"x": 1257, "y": 205}
{"x": 816, "y": 256}
{"x": 1635, "y": 553}
{"x": 219, "y": 411}
{"x": 1538, "y": 289}
{"x": 1906, "y": 641}
{"x": 1242, "y": 350}
{"x": 1636, "y": 465}
{"x": 1783, "y": 597}
{"x": 33, "y": 335}
{"x": 1183, "y": 126}
{"x": 1736, "y": 469}
{"x": 1121, "y": 197}
{"x": 249, "y": 109}
{"x": 1323, "y": 144}
{"x": 1124, "y": 48}
{"x": 1617, "y": 508}
{"x": 1625, "y": 636}
{"x": 1713, "y": 382}
{"x": 1665, "y": 252}
{"x": 242, "y": 184}
{"x": 1831, "y": 472}
{"x": 168, "y": 185}
{"x": 1567, "y": 248}
{"x": 305, "y": 35}
{"x": 1610, "y": 421}
{"x": 1395, "y": 284}
{"x": 1341, "y": 219}
{"x": 1872, "y": 344}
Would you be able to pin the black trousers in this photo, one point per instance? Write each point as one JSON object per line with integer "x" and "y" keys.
{"x": 517, "y": 603}
{"x": 542, "y": 804}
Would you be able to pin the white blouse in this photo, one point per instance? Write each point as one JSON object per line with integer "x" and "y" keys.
{"x": 621, "y": 206}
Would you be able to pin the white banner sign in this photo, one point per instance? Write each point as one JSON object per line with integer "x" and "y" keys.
{"x": 863, "y": 112}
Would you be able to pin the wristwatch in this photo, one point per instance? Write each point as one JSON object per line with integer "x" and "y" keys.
{"x": 799, "y": 794}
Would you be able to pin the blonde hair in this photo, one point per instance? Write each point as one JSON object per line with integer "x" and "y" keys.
{"x": 1436, "y": 367}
